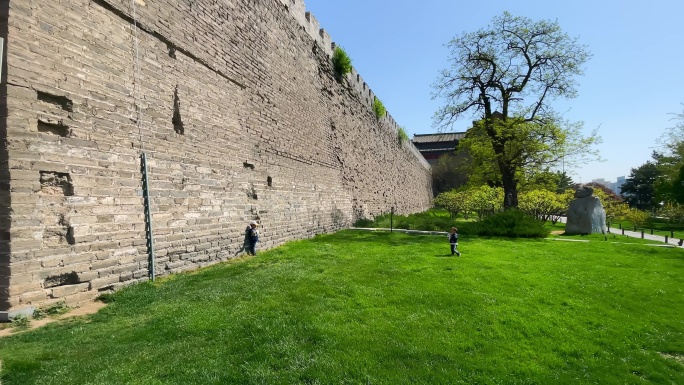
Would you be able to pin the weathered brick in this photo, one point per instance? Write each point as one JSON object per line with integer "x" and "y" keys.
{"x": 62, "y": 291}
{"x": 269, "y": 132}
{"x": 103, "y": 264}
{"x": 99, "y": 283}
{"x": 34, "y": 296}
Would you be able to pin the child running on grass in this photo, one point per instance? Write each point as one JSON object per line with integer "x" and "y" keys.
{"x": 453, "y": 239}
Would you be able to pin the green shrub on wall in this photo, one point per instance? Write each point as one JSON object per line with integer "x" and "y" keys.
{"x": 341, "y": 62}
{"x": 402, "y": 136}
{"x": 379, "y": 108}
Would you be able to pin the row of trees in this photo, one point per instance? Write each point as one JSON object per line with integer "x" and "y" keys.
{"x": 542, "y": 204}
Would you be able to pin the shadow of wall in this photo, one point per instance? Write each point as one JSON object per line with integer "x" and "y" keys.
{"x": 5, "y": 200}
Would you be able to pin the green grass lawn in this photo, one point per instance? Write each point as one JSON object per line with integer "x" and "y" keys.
{"x": 377, "y": 308}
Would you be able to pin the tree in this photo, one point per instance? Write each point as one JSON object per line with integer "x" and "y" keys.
{"x": 485, "y": 200}
{"x": 448, "y": 173}
{"x": 543, "y": 205}
{"x": 508, "y": 74}
{"x": 638, "y": 189}
{"x": 456, "y": 202}
{"x": 564, "y": 182}
{"x": 670, "y": 183}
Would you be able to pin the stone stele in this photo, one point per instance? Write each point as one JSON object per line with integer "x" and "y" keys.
{"x": 586, "y": 214}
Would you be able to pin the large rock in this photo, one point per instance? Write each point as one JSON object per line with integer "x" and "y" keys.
{"x": 586, "y": 214}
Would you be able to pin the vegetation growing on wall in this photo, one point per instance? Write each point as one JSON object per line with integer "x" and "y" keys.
{"x": 402, "y": 136}
{"x": 341, "y": 61}
{"x": 379, "y": 108}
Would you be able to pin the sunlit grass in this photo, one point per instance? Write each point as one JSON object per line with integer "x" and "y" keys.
{"x": 372, "y": 307}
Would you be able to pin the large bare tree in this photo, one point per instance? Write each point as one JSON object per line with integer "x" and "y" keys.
{"x": 507, "y": 75}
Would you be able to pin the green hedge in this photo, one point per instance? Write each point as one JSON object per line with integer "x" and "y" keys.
{"x": 509, "y": 223}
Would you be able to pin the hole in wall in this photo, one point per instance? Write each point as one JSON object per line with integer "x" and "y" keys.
{"x": 62, "y": 101}
{"x": 248, "y": 165}
{"x": 172, "y": 50}
{"x": 269, "y": 181}
{"x": 59, "y": 129}
{"x": 56, "y": 183}
{"x": 70, "y": 236}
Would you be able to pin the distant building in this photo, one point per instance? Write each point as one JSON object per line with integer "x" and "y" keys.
{"x": 432, "y": 146}
{"x": 616, "y": 187}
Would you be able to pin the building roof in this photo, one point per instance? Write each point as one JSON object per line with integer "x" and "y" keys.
{"x": 441, "y": 137}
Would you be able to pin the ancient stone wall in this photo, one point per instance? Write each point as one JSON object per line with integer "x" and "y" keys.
{"x": 236, "y": 106}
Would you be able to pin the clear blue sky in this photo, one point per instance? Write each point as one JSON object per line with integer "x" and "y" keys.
{"x": 631, "y": 86}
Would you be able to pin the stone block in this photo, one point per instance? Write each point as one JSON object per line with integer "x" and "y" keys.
{"x": 99, "y": 283}
{"x": 62, "y": 291}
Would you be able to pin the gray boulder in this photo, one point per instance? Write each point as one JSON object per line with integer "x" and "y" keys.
{"x": 586, "y": 214}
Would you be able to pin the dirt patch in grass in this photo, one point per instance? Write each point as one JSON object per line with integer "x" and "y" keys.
{"x": 85, "y": 309}
{"x": 557, "y": 232}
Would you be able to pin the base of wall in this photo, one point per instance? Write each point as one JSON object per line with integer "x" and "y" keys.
{"x": 6, "y": 316}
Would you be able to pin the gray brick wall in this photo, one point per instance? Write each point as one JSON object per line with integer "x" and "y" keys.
{"x": 241, "y": 118}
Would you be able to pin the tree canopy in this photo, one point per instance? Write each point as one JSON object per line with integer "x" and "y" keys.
{"x": 638, "y": 190}
{"x": 507, "y": 75}
{"x": 670, "y": 162}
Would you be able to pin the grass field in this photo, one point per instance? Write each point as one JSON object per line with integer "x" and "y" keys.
{"x": 377, "y": 308}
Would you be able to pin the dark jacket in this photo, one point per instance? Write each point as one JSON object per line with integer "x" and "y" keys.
{"x": 453, "y": 237}
{"x": 251, "y": 235}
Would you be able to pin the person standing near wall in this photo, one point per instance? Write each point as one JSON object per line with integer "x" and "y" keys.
{"x": 251, "y": 237}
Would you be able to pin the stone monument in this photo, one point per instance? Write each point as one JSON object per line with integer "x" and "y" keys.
{"x": 586, "y": 214}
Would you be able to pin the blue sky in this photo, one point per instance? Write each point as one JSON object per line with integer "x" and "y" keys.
{"x": 631, "y": 87}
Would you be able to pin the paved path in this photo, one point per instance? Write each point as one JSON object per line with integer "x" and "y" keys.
{"x": 650, "y": 237}
{"x": 637, "y": 234}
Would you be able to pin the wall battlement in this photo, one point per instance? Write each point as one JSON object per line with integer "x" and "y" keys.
{"x": 297, "y": 8}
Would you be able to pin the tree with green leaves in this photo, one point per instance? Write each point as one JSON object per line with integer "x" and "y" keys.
{"x": 507, "y": 74}
{"x": 455, "y": 202}
{"x": 670, "y": 162}
{"x": 448, "y": 173}
{"x": 543, "y": 205}
{"x": 564, "y": 181}
{"x": 638, "y": 190}
{"x": 485, "y": 200}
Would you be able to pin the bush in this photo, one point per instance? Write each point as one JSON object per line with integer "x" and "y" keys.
{"x": 341, "y": 62}
{"x": 402, "y": 136}
{"x": 511, "y": 223}
{"x": 55, "y": 309}
{"x": 363, "y": 222}
{"x": 21, "y": 322}
{"x": 431, "y": 220}
{"x": 379, "y": 108}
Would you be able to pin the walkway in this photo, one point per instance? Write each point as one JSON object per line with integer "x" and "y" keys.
{"x": 637, "y": 234}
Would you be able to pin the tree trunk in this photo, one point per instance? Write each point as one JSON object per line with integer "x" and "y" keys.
{"x": 510, "y": 186}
